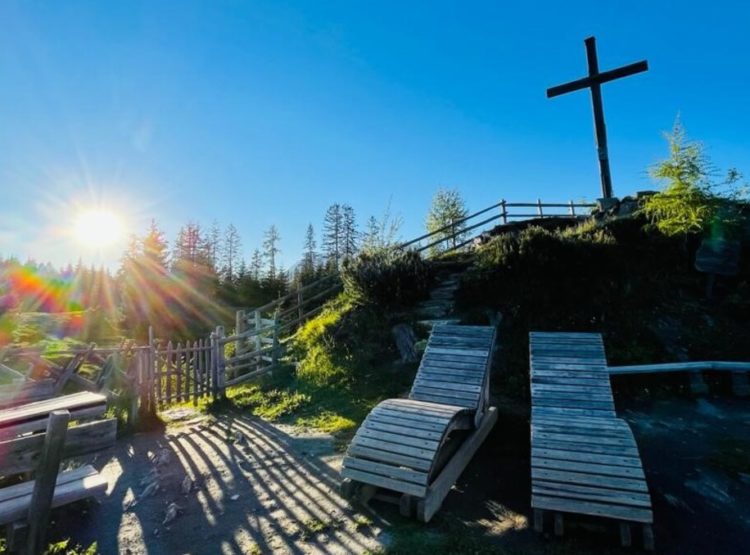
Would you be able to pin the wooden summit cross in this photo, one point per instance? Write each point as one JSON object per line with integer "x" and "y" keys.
{"x": 594, "y": 82}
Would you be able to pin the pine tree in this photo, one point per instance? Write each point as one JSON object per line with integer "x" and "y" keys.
{"x": 349, "y": 233}
{"x": 309, "y": 256}
{"x": 214, "y": 245}
{"x": 230, "y": 253}
{"x": 332, "y": 225}
{"x": 447, "y": 209}
{"x": 271, "y": 249}
{"x": 256, "y": 265}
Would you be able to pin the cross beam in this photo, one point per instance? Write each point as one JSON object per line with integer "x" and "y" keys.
{"x": 594, "y": 81}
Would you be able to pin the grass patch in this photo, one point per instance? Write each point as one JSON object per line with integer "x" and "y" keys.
{"x": 346, "y": 366}
{"x": 314, "y": 526}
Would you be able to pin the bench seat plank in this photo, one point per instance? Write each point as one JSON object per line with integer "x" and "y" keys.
{"x": 72, "y": 485}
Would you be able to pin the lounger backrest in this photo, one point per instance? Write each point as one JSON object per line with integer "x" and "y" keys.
{"x": 455, "y": 366}
{"x": 569, "y": 375}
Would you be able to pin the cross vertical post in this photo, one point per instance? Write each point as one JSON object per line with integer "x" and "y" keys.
{"x": 600, "y": 128}
{"x": 594, "y": 81}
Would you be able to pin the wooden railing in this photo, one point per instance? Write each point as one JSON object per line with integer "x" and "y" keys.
{"x": 504, "y": 213}
{"x": 260, "y": 333}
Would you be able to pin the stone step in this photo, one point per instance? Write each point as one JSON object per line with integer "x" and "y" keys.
{"x": 439, "y": 321}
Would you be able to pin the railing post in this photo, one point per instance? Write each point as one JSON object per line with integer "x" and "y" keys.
{"x": 572, "y": 209}
{"x": 240, "y": 325}
{"x": 504, "y": 211}
{"x": 539, "y": 207}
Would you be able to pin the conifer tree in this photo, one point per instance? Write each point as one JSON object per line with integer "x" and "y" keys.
{"x": 332, "y": 226}
{"x": 271, "y": 249}
{"x": 349, "y": 233}
{"x": 230, "y": 253}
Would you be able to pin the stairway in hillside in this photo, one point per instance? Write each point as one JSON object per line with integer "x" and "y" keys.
{"x": 439, "y": 308}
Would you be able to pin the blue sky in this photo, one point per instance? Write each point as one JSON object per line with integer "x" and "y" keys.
{"x": 262, "y": 112}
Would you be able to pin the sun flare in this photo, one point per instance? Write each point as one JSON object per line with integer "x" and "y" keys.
{"x": 97, "y": 228}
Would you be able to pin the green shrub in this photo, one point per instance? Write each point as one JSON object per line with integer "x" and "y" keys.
{"x": 387, "y": 278}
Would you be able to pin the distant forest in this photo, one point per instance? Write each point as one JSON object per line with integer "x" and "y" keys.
{"x": 186, "y": 286}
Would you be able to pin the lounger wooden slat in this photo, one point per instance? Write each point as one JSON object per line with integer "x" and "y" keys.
{"x": 584, "y": 459}
{"x": 398, "y": 447}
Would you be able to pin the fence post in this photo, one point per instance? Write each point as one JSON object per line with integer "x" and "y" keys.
{"x": 151, "y": 372}
{"x": 220, "y": 365}
{"x": 240, "y": 325}
{"x": 258, "y": 341}
{"x": 539, "y": 207}
{"x": 275, "y": 344}
{"x": 572, "y": 209}
{"x": 212, "y": 359}
{"x": 504, "y": 211}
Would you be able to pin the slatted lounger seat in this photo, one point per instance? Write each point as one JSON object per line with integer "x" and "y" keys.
{"x": 584, "y": 459}
{"x": 419, "y": 446}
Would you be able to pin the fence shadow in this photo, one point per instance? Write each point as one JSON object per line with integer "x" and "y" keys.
{"x": 251, "y": 492}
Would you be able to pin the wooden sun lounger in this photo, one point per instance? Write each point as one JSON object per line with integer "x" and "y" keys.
{"x": 584, "y": 459}
{"x": 412, "y": 446}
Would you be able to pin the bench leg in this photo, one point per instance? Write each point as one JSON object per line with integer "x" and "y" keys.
{"x": 648, "y": 537}
{"x": 559, "y": 524}
{"x": 625, "y": 537}
{"x": 539, "y": 520}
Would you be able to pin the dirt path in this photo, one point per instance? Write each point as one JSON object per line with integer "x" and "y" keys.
{"x": 231, "y": 485}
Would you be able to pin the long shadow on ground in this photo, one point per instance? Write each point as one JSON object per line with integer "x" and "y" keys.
{"x": 249, "y": 492}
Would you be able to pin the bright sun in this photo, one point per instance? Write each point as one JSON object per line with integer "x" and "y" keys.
{"x": 97, "y": 228}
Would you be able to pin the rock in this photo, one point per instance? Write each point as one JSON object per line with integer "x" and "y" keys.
{"x": 187, "y": 485}
{"x": 405, "y": 340}
{"x": 234, "y": 497}
{"x": 173, "y": 510}
{"x": 149, "y": 489}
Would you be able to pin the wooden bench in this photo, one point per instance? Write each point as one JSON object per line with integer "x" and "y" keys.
{"x": 25, "y": 507}
{"x": 584, "y": 459}
{"x": 415, "y": 447}
{"x": 32, "y": 417}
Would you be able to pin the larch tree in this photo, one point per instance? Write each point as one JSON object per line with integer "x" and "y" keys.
{"x": 447, "y": 210}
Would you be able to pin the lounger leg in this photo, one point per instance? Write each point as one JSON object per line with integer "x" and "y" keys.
{"x": 539, "y": 520}
{"x": 366, "y": 492}
{"x": 16, "y": 533}
{"x": 347, "y": 488}
{"x": 648, "y": 537}
{"x": 625, "y": 538}
{"x": 406, "y": 505}
{"x": 559, "y": 524}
